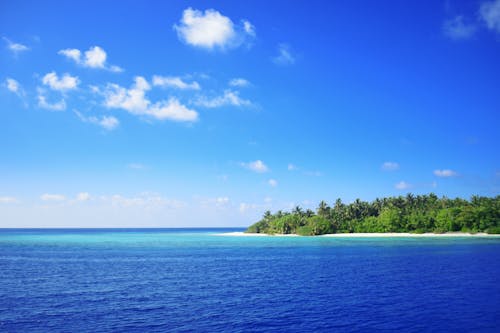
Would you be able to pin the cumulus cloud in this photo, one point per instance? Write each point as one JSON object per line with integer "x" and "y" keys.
{"x": 52, "y": 197}
{"x": 174, "y": 82}
{"x": 490, "y": 14}
{"x": 239, "y": 82}
{"x": 14, "y": 87}
{"x": 272, "y": 182}
{"x": 456, "y": 28}
{"x": 390, "y": 166}
{"x": 249, "y": 28}
{"x": 210, "y": 29}
{"x": 285, "y": 56}
{"x": 15, "y": 47}
{"x": 445, "y": 173}
{"x": 44, "y": 104}
{"x": 229, "y": 98}
{"x": 107, "y": 122}
{"x": 64, "y": 83}
{"x": 94, "y": 57}
{"x": 402, "y": 185}
{"x": 256, "y": 166}
{"x": 73, "y": 54}
{"x": 134, "y": 101}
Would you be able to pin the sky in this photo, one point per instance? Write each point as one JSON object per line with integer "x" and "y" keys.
{"x": 206, "y": 114}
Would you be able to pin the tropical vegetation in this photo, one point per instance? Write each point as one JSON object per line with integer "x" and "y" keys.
{"x": 410, "y": 213}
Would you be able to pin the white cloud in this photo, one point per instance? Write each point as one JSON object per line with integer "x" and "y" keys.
{"x": 57, "y": 106}
{"x": 222, "y": 200}
{"x": 134, "y": 101}
{"x": 239, "y": 82}
{"x": 229, "y": 98}
{"x": 445, "y": 173}
{"x": 256, "y": 166}
{"x": 219, "y": 202}
{"x": 402, "y": 185}
{"x": 15, "y": 47}
{"x": 116, "y": 69}
{"x": 94, "y": 57}
{"x": 14, "y": 86}
{"x": 172, "y": 110}
{"x": 8, "y": 200}
{"x": 107, "y": 122}
{"x": 249, "y": 28}
{"x": 390, "y": 166}
{"x": 244, "y": 207}
{"x": 272, "y": 182}
{"x": 490, "y": 14}
{"x": 52, "y": 197}
{"x": 66, "y": 82}
{"x": 210, "y": 29}
{"x": 83, "y": 196}
{"x": 73, "y": 54}
{"x": 174, "y": 82}
{"x": 144, "y": 200}
{"x": 285, "y": 56}
{"x": 292, "y": 167}
{"x": 456, "y": 28}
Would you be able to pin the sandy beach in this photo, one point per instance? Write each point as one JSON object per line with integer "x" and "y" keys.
{"x": 365, "y": 235}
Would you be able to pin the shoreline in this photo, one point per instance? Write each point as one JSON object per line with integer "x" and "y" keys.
{"x": 366, "y": 235}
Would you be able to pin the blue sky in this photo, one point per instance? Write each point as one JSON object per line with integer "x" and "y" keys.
{"x": 206, "y": 114}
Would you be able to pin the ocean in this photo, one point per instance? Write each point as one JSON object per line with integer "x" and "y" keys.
{"x": 194, "y": 280}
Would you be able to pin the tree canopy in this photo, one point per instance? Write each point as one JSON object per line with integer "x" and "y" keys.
{"x": 410, "y": 213}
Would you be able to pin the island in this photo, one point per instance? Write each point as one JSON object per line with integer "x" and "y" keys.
{"x": 416, "y": 214}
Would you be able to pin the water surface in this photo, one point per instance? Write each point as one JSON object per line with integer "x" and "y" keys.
{"x": 183, "y": 280}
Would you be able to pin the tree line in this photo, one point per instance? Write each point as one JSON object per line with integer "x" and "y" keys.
{"x": 410, "y": 213}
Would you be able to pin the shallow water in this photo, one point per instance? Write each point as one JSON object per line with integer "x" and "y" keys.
{"x": 185, "y": 280}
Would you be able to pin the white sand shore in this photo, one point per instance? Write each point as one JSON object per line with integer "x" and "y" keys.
{"x": 366, "y": 235}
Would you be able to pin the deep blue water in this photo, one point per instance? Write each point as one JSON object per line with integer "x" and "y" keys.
{"x": 194, "y": 280}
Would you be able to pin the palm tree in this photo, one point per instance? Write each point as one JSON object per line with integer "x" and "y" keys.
{"x": 298, "y": 211}
{"x": 323, "y": 209}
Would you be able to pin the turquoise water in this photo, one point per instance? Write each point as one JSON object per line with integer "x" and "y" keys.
{"x": 185, "y": 280}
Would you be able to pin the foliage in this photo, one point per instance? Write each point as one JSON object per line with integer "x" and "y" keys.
{"x": 494, "y": 230}
{"x": 410, "y": 213}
